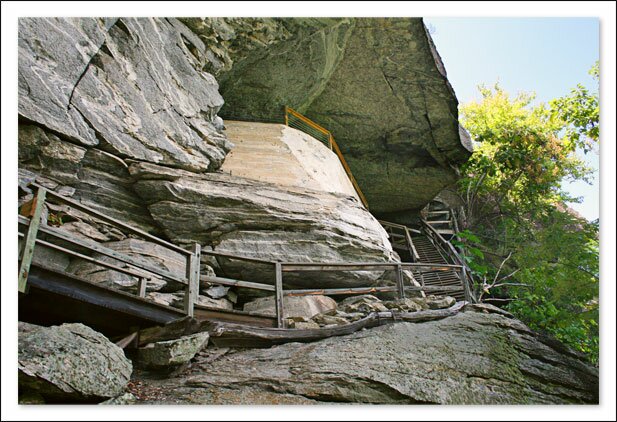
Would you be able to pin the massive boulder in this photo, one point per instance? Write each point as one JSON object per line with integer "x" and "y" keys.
{"x": 377, "y": 83}
{"x": 263, "y": 220}
{"x": 70, "y": 363}
{"x": 285, "y": 156}
{"x": 480, "y": 356}
{"x": 136, "y": 96}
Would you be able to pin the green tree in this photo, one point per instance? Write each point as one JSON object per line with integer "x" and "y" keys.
{"x": 526, "y": 248}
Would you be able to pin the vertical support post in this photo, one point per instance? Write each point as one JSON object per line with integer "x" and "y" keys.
{"x": 286, "y": 116}
{"x": 143, "y": 281}
{"x": 278, "y": 291}
{"x": 192, "y": 277}
{"x": 399, "y": 281}
{"x": 422, "y": 280}
{"x": 30, "y": 240}
{"x": 465, "y": 284}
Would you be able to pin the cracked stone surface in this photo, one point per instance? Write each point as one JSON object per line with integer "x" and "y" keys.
{"x": 479, "y": 356}
{"x": 134, "y": 94}
{"x": 133, "y": 87}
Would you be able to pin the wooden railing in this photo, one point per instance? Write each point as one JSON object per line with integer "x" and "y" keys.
{"x": 30, "y": 217}
{"x": 281, "y": 268}
{"x": 303, "y": 123}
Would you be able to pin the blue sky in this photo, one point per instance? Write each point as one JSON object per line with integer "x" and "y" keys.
{"x": 546, "y": 55}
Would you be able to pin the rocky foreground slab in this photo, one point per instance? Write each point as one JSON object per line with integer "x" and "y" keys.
{"x": 480, "y": 356}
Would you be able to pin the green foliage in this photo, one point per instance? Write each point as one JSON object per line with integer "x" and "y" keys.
{"x": 580, "y": 112}
{"x": 472, "y": 254}
{"x": 54, "y": 219}
{"x": 514, "y": 209}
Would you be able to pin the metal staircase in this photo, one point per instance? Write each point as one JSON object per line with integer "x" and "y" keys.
{"x": 430, "y": 253}
{"x": 430, "y": 243}
{"x": 439, "y": 216}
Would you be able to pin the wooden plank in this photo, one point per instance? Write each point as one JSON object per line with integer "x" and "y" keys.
{"x": 337, "y": 267}
{"x": 30, "y": 241}
{"x": 278, "y": 292}
{"x": 362, "y": 266}
{"x": 433, "y": 288}
{"x": 90, "y": 259}
{"x": 236, "y": 335}
{"x": 173, "y": 329}
{"x": 238, "y": 257}
{"x": 237, "y": 283}
{"x": 105, "y": 297}
{"x": 124, "y": 342}
{"x": 367, "y": 290}
{"x": 414, "y": 252}
{"x": 114, "y": 222}
{"x": 93, "y": 246}
{"x": 192, "y": 275}
{"x": 256, "y": 319}
{"x": 141, "y": 286}
{"x": 431, "y": 315}
{"x": 341, "y": 291}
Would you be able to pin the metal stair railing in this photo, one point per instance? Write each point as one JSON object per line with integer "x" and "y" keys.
{"x": 450, "y": 251}
{"x": 398, "y": 232}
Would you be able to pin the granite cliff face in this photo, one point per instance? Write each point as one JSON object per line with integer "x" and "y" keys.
{"x": 377, "y": 84}
{"x": 122, "y": 115}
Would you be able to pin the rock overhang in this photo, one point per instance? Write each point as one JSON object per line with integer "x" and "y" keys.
{"x": 378, "y": 84}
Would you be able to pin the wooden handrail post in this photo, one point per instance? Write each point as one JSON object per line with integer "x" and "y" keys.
{"x": 278, "y": 292}
{"x": 192, "y": 277}
{"x": 399, "y": 281}
{"x": 30, "y": 240}
{"x": 143, "y": 282}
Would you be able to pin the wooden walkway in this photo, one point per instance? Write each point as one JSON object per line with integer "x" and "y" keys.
{"x": 49, "y": 296}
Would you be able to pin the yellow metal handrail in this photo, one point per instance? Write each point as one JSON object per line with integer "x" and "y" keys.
{"x": 300, "y": 122}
